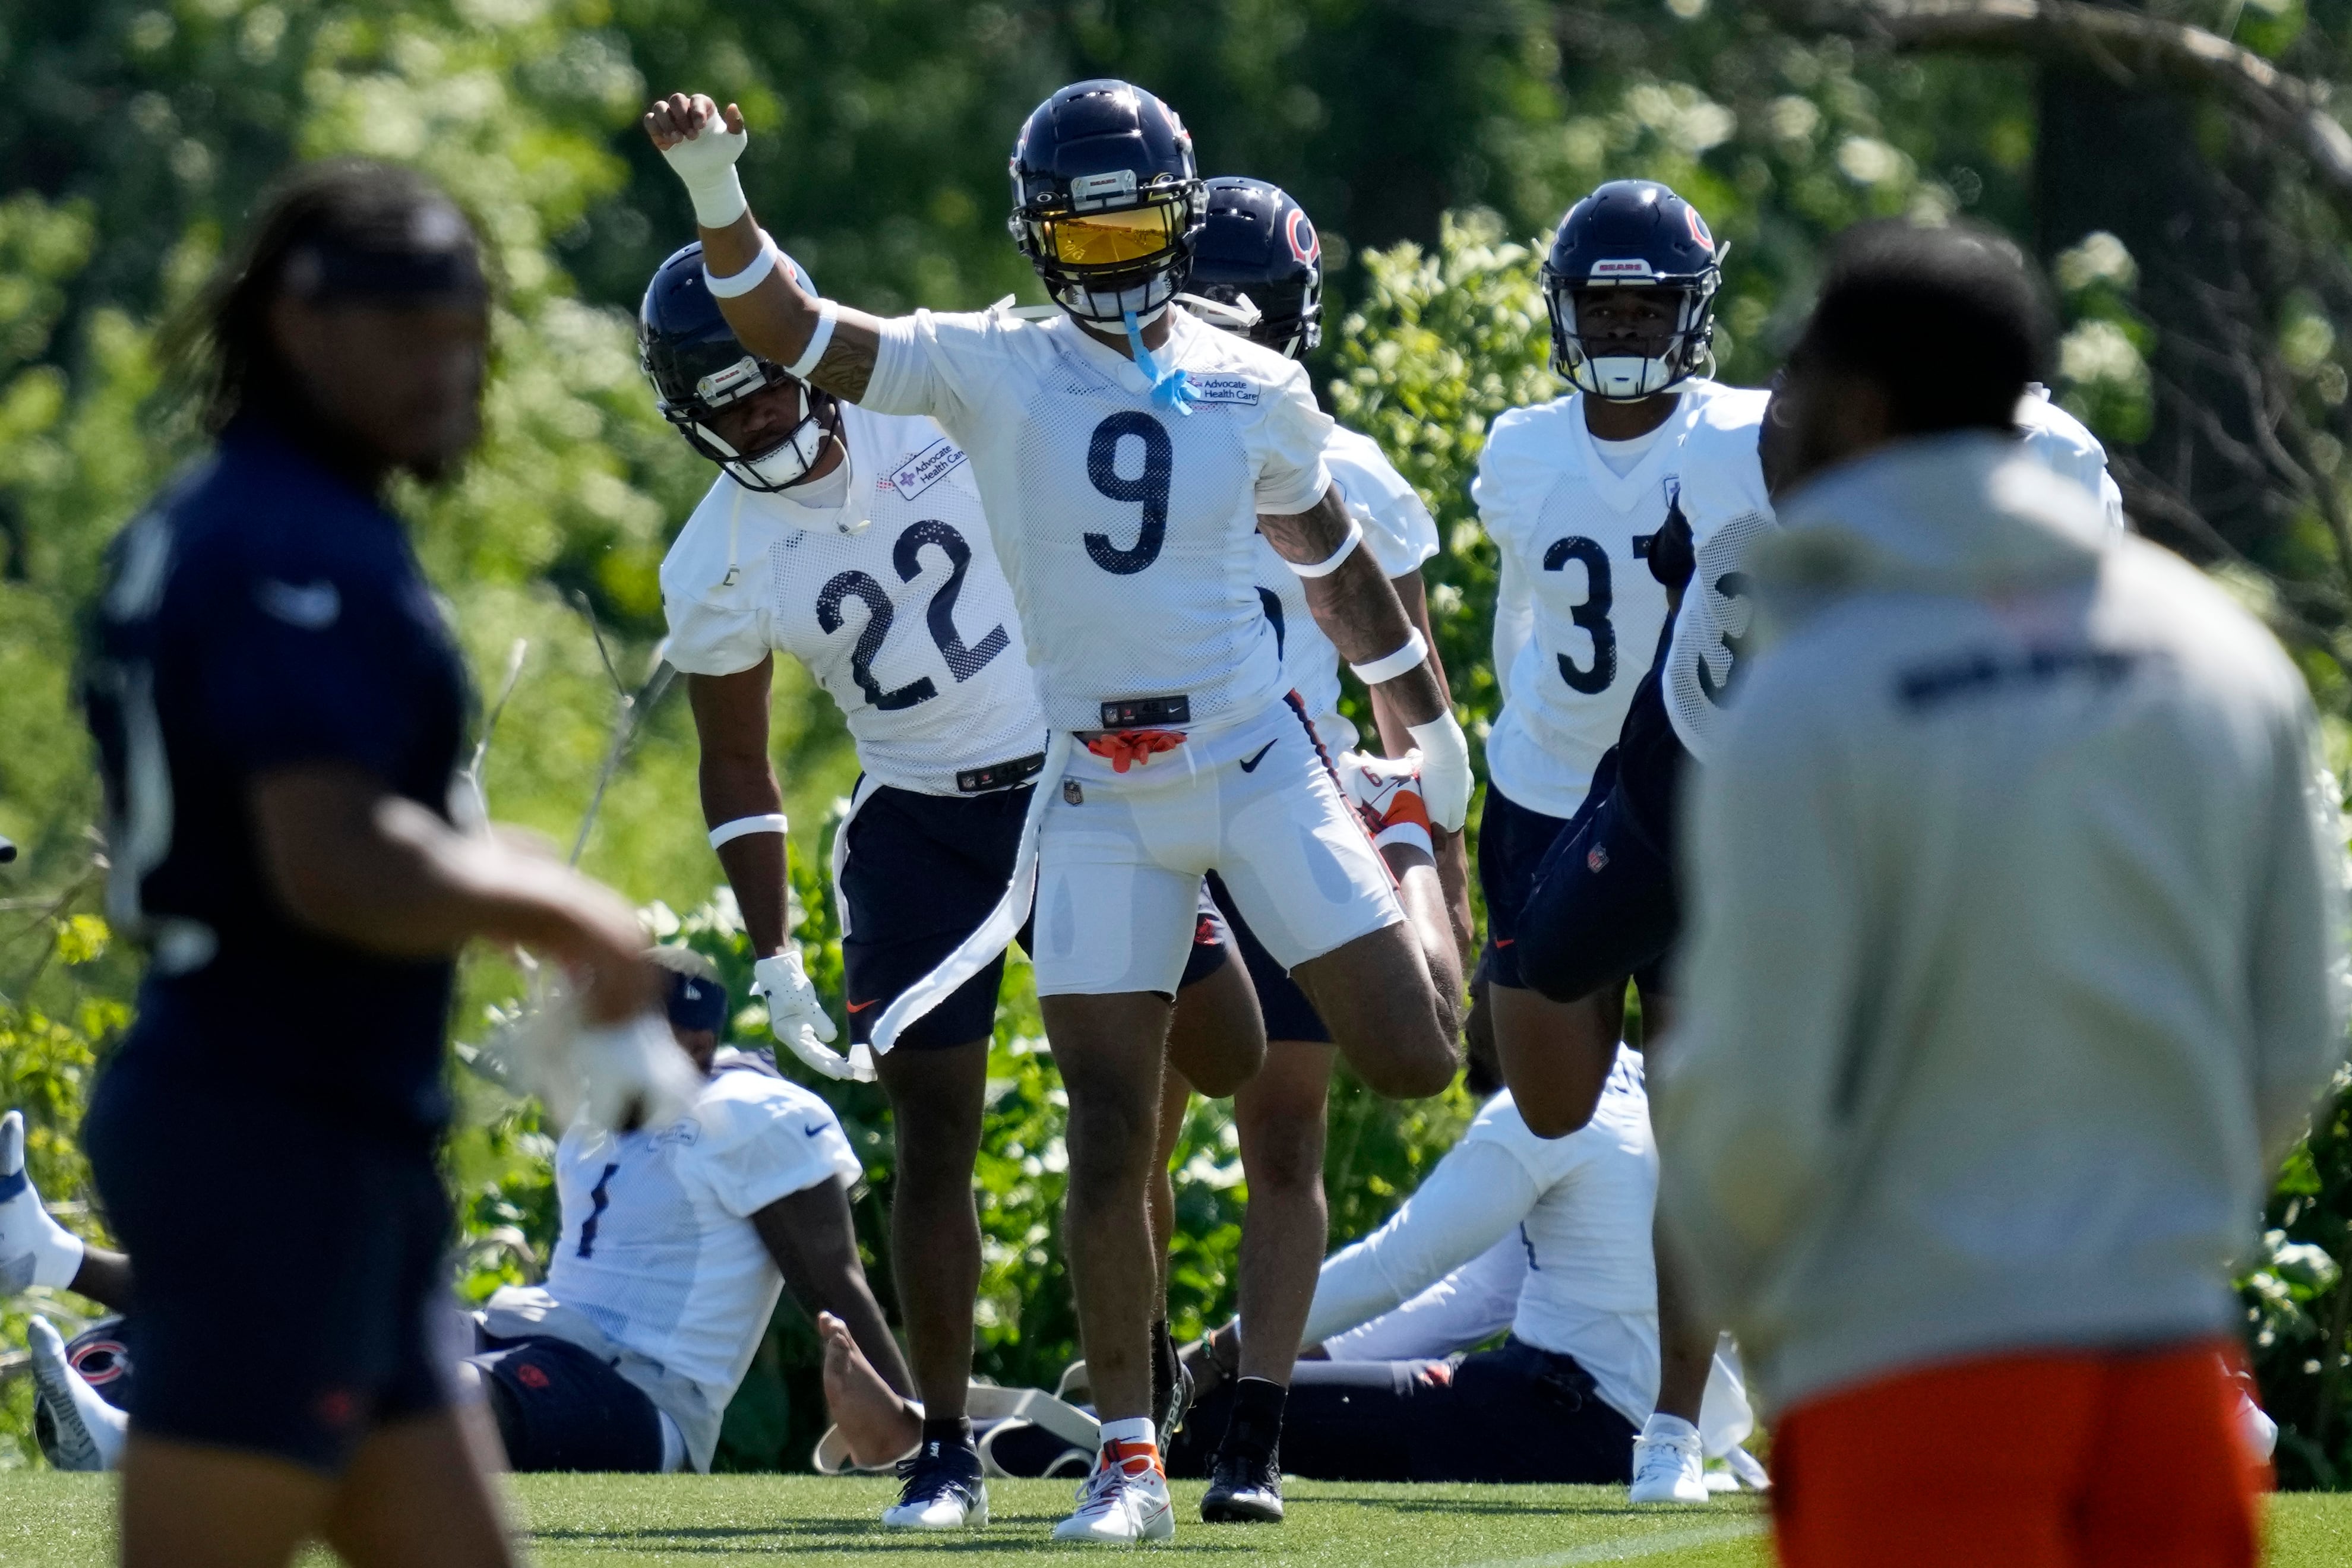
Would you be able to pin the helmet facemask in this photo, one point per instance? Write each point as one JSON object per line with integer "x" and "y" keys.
{"x": 1629, "y": 378}
{"x": 783, "y": 463}
{"x": 1112, "y": 250}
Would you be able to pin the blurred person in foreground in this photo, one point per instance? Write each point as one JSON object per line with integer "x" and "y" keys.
{"x": 676, "y": 1241}
{"x": 280, "y": 707}
{"x": 2017, "y": 966}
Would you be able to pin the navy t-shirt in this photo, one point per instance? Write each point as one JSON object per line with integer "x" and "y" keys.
{"x": 267, "y": 611}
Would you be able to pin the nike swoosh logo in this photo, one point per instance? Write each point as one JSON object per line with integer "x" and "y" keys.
{"x": 861, "y": 1007}
{"x": 1249, "y": 764}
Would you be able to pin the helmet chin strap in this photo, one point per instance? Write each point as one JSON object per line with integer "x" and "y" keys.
{"x": 1170, "y": 388}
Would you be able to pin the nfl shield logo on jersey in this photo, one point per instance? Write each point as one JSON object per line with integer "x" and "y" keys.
{"x": 1596, "y": 860}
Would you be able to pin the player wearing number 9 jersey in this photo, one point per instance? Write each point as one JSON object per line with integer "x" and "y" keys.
{"x": 1126, "y": 456}
{"x": 855, "y": 543}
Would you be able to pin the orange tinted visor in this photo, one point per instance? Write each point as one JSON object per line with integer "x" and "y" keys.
{"x": 1109, "y": 240}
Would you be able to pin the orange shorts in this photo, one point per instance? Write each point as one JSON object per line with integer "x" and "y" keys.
{"x": 2098, "y": 1459}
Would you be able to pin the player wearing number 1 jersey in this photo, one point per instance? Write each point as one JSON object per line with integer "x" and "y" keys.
{"x": 1126, "y": 456}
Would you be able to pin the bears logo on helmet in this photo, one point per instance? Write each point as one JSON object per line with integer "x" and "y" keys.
{"x": 1258, "y": 271}
{"x": 1632, "y": 233}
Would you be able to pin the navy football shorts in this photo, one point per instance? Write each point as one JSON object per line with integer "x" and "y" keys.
{"x": 1512, "y": 841}
{"x": 1289, "y": 1015}
{"x": 1602, "y": 902}
{"x": 917, "y": 875}
{"x": 203, "y": 1185}
{"x": 562, "y": 1408}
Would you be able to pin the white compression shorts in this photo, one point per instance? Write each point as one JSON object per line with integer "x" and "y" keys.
{"x": 1121, "y": 857}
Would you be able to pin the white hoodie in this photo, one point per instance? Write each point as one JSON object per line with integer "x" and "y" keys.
{"x": 2017, "y": 957}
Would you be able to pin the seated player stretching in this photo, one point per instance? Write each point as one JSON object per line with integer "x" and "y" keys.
{"x": 1548, "y": 1238}
{"x": 855, "y": 543}
{"x": 1128, "y": 457}
{"x": 676, "y": 1243}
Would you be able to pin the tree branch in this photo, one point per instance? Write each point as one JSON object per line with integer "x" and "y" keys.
{"x": 2109, "y": 41}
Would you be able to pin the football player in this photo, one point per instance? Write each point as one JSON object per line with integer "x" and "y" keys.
{"x": 279, "y": 705}
{"x": 1604, "y": 899}
{"x": 1127, "y": 455}
{"x": 676, "y": 1242}
{"x": 1258, "y": 273}
{"x": 854, "y": 542}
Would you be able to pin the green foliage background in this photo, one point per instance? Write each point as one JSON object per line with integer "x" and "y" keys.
{"x": 1430, "y": 141}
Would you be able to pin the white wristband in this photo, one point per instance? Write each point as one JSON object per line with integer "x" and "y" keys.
{"x": 744, "y": 827}
{"x": 1333, "y": 562}
{"x": 1393, "y": 665}
{"x": 800, "y": 368}
{"x": 737, "y": 285}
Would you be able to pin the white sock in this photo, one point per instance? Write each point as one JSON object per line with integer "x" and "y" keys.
{"x": 90, "y": 1430}
{"x": 1660, "y": 1425}
{"x": 33, "y": 1248}
{"x": 1134, "y": 1429}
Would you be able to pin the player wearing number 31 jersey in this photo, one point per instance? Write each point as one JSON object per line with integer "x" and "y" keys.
{"x": 1127, "y": 457}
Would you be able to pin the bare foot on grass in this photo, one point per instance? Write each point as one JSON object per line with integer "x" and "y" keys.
{"x": 879, "y": 1426}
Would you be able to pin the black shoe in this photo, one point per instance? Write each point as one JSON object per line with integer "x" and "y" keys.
{"x": 1243, "y": 1489}
{"x": 940, "y": 1488}
{"x": 1175, "y": 1403}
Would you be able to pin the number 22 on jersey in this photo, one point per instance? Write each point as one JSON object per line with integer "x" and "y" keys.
{"x": 963, "y": 661}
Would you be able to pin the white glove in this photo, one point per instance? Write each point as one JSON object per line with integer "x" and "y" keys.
{"x": 705, "y": 163}
{"x": 799, "y": 1020}
{"x": 33, "y": 1248}
{"x": 625, "y": 1075}
{"x": 1445, "y": 781}
{"x": 636, "y": 1074}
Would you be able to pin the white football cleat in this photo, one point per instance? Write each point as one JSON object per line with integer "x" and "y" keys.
{"x": 1669, "y": 1463}
{"x": 33, "y": 1248}
{"x": 1748, "y": 1470}
{"x": 939, "y": 1488}
{"x": 1123, "y": 1500}
{"x": 86, "y": 1432}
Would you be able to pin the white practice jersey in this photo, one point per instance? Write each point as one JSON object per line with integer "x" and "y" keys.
{"x": 1398, "y": 530}
{"x": 1724, "y": 500}
{"x": 1574, "y": 538}
{"x": 658, "y": 1249}
{"x": 892, "y": 599}
{"x": 1551, "y": 1236}
{"x": 1129, "y": 532}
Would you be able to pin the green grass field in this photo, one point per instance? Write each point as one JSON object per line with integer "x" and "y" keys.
{"x": 49, "y": 1521}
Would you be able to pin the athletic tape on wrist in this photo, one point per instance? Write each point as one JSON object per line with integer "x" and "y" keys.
{"x": 744, "y": 827}
{"x": 1338, "y": 558}
{"x": 1389, "y": 667}
{"x": 738, "y": 284}
{"x": 800, "y": 368}
{"x": 720, "y": 203}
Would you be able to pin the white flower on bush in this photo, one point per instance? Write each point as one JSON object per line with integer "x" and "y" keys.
{"x": 2101, "y": 352}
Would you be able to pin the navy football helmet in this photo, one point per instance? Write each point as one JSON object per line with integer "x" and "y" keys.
{"x": 698, "y": 365}
{"x": 1258, "y": 269}
{"x": 1107, "y": 204}
{"x": 1632, "y": 233}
